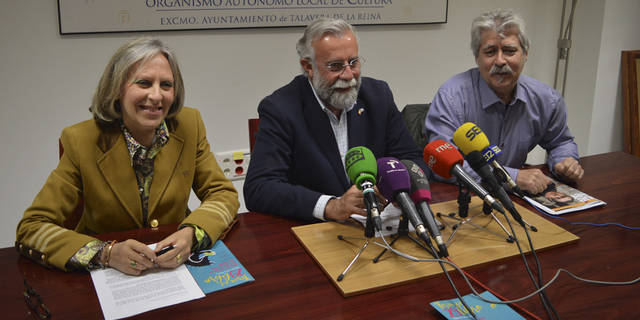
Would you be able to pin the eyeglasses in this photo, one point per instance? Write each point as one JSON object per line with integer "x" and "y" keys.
{"x": 339, "y": 66}
{"x": 33, "y": 300}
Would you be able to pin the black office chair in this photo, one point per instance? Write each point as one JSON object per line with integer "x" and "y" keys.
{"x": 413, "y": 116}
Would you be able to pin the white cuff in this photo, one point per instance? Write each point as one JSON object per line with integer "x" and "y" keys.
{"x": 318, "y": 210}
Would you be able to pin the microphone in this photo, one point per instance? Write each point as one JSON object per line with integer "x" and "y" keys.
{"x": 489, "y": 154}
{"x": 394, "y": 185}
{"x": 476, "y": 161}
{"x": 469, "y": 137}
{"x": 421, "y": 196}
{"x": 445, "y": 160}
{"x": 360, "y": 164}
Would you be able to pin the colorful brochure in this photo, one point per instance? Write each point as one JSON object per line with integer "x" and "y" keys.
{"x": 454, "y": 310}
{"x": 217, "y": 269}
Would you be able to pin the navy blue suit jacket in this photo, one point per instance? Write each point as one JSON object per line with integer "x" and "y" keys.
{"x": 296, "y": 159}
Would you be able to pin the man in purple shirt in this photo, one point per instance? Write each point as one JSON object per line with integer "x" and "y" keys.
{"x": 515, "y": 111}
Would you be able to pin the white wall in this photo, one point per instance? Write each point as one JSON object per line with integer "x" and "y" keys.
{"x": 619, "y": 32}
{"x": 47, "y": 79}
{"x": 584, "y": 54}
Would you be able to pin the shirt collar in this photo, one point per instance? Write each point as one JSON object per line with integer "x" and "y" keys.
{"x": 160, "y": 138}
{"x": 322, "y": 106}
{"x": 489, "y": 98}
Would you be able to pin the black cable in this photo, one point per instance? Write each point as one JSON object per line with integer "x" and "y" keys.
{"x": 551, "y": 311}
{"x": 543, "y": 297}
{"x": 539, "y": 267}
{"x": 446, "y": 273}
{"x": 477, "y": 294}
{"x": 551, "y": 281}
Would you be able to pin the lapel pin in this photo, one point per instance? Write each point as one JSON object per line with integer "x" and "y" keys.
{"x": 360, "y": 111}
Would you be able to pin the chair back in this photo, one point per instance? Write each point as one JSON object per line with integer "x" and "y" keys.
{"x": 253, "y": 128}
{"x": 414, "y": 116}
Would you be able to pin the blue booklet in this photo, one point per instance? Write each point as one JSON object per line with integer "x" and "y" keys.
{"x": 453, "y": 308}
{"x": 217, "y": 269}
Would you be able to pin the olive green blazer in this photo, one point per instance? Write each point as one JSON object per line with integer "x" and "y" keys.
{"x": 96, "y": 166}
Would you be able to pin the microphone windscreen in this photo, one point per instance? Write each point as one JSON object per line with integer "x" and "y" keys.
{"x": 419, "y": 182}
{"x": 421, "y": 195}
{"x": 441, "y": 156}
{"x": 491, "y": 152}
{"x": 469, "y": 137}
{"x": 360, "y": 164}
{"x": 392, "y": 177}
{"x": 475, "y": 160}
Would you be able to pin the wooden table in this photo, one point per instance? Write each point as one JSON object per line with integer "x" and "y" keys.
{"x": 289, "y": 285}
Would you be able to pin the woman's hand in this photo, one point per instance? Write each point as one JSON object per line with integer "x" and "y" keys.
{"x": 182, "y": 241}
{"x": 130, "y": 257}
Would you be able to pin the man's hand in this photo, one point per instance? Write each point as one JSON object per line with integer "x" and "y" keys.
{"x": 569, "y": 169}
{"x": 352, "y": 201}
{"x": 532, "y": 180}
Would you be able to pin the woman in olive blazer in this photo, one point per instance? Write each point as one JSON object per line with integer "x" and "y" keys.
{"x": 97, "y": 166}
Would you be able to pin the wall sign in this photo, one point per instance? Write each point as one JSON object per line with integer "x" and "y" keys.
{"x": 92, "y": 16}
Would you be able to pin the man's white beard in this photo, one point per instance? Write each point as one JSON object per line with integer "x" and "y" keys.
{"x": 331, "y": 97}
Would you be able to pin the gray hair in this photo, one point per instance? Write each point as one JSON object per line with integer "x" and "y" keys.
{"x": 502, "y": 21}
{"x": 316, "y": 30}
{"x": 105, "y": 105}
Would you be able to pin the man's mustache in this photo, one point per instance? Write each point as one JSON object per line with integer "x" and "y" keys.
{"x": 502, "y": 69}
{"x": 341, "y": 84}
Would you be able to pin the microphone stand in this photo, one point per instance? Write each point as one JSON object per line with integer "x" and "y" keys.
{"x": 486, "y": 209}
{"x": 369, "y": 232}
{"x": 403, "y": 230}
{"x": 464, "y": 198}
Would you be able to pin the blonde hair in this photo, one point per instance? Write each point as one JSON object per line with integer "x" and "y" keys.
{"x": 105, "y": 105}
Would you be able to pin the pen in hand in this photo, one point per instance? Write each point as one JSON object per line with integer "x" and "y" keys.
{"x": 164, "y": 250}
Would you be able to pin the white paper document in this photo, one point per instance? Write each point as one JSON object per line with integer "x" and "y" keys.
{"x": 122, "y": 295}
{"x": 390, "y": 217}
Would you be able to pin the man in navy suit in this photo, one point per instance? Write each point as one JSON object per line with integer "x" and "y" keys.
{"x": 306, "y": 127}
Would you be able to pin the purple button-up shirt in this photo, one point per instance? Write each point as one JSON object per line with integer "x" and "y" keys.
{"x": 537, "y": 115}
